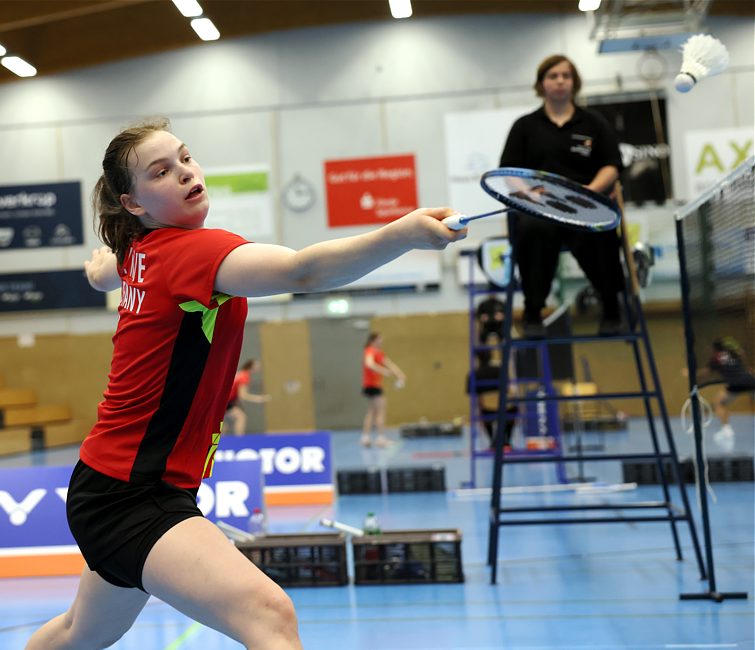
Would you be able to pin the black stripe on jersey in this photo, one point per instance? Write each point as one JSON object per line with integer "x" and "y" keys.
{"x": 190, "y": 352}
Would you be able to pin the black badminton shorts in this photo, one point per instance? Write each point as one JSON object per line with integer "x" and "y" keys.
{"x": 116, "y": 523}
{"x": 372, "y": 391}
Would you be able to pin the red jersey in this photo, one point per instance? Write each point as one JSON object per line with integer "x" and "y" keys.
{"x": 241, "y": 379}
{"x": 371, "y": 378}
{"x": 175, "y": 351}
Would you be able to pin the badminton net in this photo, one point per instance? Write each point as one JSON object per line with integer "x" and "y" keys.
{"x": 717, "y": 234}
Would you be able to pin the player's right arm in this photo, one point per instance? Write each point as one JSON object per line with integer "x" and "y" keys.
{"x": 268, "y": 269}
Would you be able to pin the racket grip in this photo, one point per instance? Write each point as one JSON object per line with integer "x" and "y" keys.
{"x": 455, "y": 222}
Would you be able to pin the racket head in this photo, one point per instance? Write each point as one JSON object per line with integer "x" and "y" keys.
{"x": 553, "y": 197}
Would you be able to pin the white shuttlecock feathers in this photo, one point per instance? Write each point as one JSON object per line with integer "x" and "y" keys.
{"x": 702, "y": 56}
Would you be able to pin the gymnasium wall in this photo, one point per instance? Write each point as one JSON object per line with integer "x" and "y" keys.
{"x": 314, "y": 382}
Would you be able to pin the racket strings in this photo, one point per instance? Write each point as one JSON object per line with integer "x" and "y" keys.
{"x": 552, "y": 197}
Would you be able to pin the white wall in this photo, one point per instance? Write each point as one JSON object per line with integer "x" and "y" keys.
{"x": 294, "y": 99}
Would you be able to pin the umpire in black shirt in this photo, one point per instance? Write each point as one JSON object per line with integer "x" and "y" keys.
{"x": 562, "y": 138}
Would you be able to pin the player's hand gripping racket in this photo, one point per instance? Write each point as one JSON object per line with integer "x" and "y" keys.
{"x": 545, "y": 196}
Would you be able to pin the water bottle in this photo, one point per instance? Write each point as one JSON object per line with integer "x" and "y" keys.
{"x": 371, "y": 524}
{"x": 257, "y": 523}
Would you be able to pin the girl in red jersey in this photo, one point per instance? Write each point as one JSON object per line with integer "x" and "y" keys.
{"x": 375, "y": 366}
{"x": 240, "y": 392}
{"x": 132, "y": 497}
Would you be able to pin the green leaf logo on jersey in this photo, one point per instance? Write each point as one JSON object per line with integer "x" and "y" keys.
{"x": 209, "y": 314}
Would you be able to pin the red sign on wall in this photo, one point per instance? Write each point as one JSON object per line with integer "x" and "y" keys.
{"x": 369, "y": 191}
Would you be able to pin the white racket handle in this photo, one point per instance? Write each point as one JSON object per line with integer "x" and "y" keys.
{"x": 345, "y": 528}
{"x": 455, "y": 222}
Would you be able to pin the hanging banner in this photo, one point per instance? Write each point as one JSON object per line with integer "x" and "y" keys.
{"x": 640, "y": 125}
{"x": 48, "y": 290}
{"x": 711, "y": 154}
{"x": 240, "y": 201}
{"x": 41, "y": 215}
{"x": 474, "y": 142}
{"x": 370, "y": 191}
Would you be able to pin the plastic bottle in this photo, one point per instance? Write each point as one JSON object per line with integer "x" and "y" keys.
{"x": 257, "y": 523}
{"x": 371, "y": 524}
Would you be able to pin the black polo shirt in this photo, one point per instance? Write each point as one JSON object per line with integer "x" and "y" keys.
{"x": 576, "y": 150}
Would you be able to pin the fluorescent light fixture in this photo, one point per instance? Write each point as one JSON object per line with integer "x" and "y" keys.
{"x": 205, "y": 29}
{"x": 2, "y": 51}
{"x": 587, "y": 5}
{"x": 337, "y": 307}
{"x": 400, "y": 8}
{"x": 188, "y": 8}
{"x": 18, "y": 66}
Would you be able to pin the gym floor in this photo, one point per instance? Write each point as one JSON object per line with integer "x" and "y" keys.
{"x": 571, "y": 587}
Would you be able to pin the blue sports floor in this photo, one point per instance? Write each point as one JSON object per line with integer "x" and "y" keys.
{"x": 575, "y": 587}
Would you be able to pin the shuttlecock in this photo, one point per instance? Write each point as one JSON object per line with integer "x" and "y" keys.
{"x": 702, "y": 56}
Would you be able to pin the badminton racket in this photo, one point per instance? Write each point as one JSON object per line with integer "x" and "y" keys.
{"x": 545, "y": 196}
{"x": 345, "y": 528}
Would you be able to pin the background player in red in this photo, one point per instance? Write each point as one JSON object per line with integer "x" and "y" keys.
{"x": 240, "y": 393}
{"x": 375, "y": 366}
{"x": 131, "y": 501}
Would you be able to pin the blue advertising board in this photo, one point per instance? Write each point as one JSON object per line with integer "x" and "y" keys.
{"x": 33, "y": 513}
{"x": 48, "y": 290}
{"x": 41, "y": 215}
{"x": 297, "y": 466}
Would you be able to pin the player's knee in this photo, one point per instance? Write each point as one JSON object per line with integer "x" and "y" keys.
{"x": 283, "y": 613}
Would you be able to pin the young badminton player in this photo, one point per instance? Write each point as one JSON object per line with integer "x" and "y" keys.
{"x": 727, "y": 362}
{"x": 375, "y": 366}
{"x": 132, "y": 497}
{"x": 563, "y": 138}
{"x": 240, "y": 393}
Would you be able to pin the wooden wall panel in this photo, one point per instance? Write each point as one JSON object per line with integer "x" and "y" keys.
{"x": 62, "y": 369}
{"x": 433, "y": 352}
{"x": 287, "y": 376}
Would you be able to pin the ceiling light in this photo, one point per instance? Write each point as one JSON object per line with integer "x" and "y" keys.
{"x": 18, "y": 66}
{"x": 401, "y": 8}
{"x": 205, "y": 29}
{"x": 188, "y": 8}
{"x": 2, "y": 50}
{"x": 589, "y": 5}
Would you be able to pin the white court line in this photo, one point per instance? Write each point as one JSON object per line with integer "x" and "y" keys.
{"x": 701, "y": 645}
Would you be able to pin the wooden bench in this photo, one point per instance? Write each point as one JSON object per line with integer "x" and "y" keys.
{"x": 36, "y": 418}
{"x": 17, "y": 397}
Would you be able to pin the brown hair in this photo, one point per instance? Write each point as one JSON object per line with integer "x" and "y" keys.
{"x": 371, "y": 339}
{"x": 115, "y": 225}
{"x": 547, "y": 64}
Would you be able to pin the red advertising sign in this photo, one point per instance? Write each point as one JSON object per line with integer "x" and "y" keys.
{"x": 369, "y": 191}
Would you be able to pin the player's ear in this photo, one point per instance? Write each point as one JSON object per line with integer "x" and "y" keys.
{"x": 131, "y": 205}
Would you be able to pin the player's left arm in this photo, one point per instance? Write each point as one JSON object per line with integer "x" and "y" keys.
{"x": 102, "y": 270}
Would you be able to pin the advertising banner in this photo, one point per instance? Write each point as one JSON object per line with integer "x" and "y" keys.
{"x": 240, "y": 201}
{"x": 370, "y": 191}
{"x": 40, "y": 215}
{"x": 48, "y": 290}
{"x": 711, "y": 154}
{"x": 297, "y": 467}
{"x": 34, "y": 534}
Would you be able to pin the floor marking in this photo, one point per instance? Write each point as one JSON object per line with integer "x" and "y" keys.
{"x": 190, "y": 632}
{"x": 701, "y": 645}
